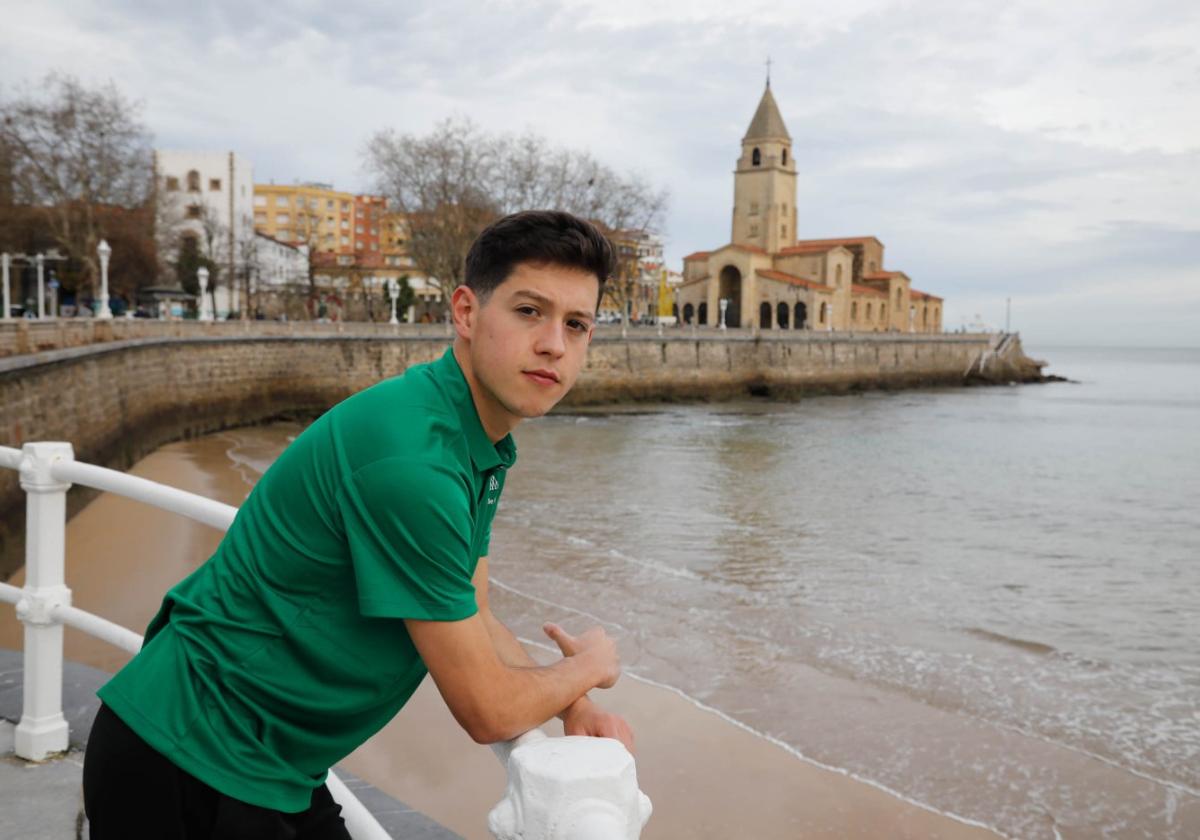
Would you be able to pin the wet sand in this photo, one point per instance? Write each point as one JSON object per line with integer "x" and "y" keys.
{"x": 707, "y": 777}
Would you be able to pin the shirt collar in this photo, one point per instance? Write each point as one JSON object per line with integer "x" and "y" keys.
{"x": 484, "y": 453}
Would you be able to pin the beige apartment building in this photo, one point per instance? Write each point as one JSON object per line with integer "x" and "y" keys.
{"x": 357, "y": 244}
{"x": 767, "y": 278}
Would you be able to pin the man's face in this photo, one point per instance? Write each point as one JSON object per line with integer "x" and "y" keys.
{"x": 528, "y": 341}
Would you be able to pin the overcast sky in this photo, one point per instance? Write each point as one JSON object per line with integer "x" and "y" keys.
{"x": 1043, "y": 151}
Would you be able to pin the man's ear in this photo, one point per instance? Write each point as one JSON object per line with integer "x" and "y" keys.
{"x": 464, "y": 309}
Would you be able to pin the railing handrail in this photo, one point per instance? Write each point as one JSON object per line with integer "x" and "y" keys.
{"x": 200, "y": 508}
{"x": 48, "y": 469}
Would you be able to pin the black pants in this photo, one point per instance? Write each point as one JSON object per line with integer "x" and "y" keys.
{"x": 131, "y": 792}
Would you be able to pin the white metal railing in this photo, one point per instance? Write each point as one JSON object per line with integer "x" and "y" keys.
{"x": 558, "y": 788}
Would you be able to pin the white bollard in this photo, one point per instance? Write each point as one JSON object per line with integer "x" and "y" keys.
{"x": 43, "y": 729}
{"x": 571, "y": 788}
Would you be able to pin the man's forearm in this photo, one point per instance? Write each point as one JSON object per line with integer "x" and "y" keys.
{"x": 513, "y": 654}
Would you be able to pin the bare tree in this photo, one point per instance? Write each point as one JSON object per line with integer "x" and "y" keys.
{"x": 71, "y": 152}
{"x": 451, "y": 183}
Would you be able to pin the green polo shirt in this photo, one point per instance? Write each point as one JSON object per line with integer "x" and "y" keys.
{"x": 286, "y": 650}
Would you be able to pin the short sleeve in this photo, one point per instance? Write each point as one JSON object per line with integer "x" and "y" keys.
{"x": 408, "y": 526}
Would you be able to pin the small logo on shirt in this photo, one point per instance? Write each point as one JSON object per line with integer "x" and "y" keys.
{"x": 493, "y": 484}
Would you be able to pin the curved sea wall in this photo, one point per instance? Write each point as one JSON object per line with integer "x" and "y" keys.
{"x": 118, "y": 398}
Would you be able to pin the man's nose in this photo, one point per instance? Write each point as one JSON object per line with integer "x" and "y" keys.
{"x": 551, "y": 340}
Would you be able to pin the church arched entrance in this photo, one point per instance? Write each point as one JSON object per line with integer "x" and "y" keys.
{"x": 764, "y": 316}
{"x": 730, "y": 289}
{"x": 801, "y": 315}
{"x": 781, "y": 315}
{"x": 689, "y": 312}
{"x": 702, "y": 314}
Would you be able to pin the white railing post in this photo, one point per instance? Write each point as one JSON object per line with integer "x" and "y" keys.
{"x": 570, "y": 788}
{"x": 43, "y": 729}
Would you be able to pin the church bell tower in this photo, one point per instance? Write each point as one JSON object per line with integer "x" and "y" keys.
{"x": 764, "y": 183}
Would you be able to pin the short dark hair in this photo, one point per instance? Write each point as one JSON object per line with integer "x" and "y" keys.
{"x": 537, "y": 236}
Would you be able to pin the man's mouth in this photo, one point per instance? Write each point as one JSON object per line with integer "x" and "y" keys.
{"x": 542, "y": 376}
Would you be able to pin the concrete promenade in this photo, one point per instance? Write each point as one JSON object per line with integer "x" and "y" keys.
{"x": 44, "y": 800}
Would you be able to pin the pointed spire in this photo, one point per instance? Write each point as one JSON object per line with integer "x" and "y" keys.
{"x": 767, "y": 122}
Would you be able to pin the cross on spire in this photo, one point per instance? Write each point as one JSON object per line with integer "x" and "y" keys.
{"x": 768, "y": 71}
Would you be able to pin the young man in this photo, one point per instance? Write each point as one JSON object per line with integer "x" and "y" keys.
{"x": 357, "y": 564}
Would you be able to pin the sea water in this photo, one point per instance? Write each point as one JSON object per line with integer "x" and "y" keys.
{"x": 984, "y": 599}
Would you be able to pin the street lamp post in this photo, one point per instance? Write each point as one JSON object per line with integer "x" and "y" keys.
{"x": 41, "y": 275}
{"x": 105, "y": 251}
{"x": 5, "y": 263}
{"x": 394, "y": 293}
{"x": 202, "y": 276}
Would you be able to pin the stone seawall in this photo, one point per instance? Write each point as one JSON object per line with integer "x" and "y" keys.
{"x": 117, "y": 400}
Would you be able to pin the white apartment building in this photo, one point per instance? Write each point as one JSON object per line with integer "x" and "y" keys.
{"x": 213, "y": 192}
{"x": 278, "y": 264}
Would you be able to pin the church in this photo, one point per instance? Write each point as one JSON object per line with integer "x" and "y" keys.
{"x": 767, "y": 278}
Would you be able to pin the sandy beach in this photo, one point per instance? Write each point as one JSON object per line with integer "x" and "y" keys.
{"x": 707, "y": 776}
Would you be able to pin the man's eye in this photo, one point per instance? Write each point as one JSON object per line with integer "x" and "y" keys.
{"x": 526, "y": 310}
{"x": 578, "y": 326}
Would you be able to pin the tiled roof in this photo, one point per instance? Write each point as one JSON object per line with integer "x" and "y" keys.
{"x": 700, "y": 255}
{"x": 753, "y": 249}
{"x": 883, "y": 275}
{"x": 867, "y": 290}
{"x": 771, "y": 274}
{"x": 913, "y": 293}
{"x": 806, "y": 249}
{"x": 849, "y": 240}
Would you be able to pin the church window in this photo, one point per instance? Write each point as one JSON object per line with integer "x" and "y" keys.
{"x": 898, "y": 297}
{"x": 214, "y": 184}
{"x": 868, "y": 313}
{"x": 172, "y": 183}
{"x": 824, "y": 312}
{"x": 783, "y": 209}
{"x": 754, "y": 230}
{"x": 783, "y": 230}
{"x": 756, "y": 157}
{"x": 785, "y": 157}
{"x": 871, "y": 267}
{"x": 702, "y": 314}
{"x": 837, "y": 275}
{"x": 883, "y": 312}
{"x": 193, "y": 181}
{"x": 753, "y": 208}
{"x": 854, "y": 311}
